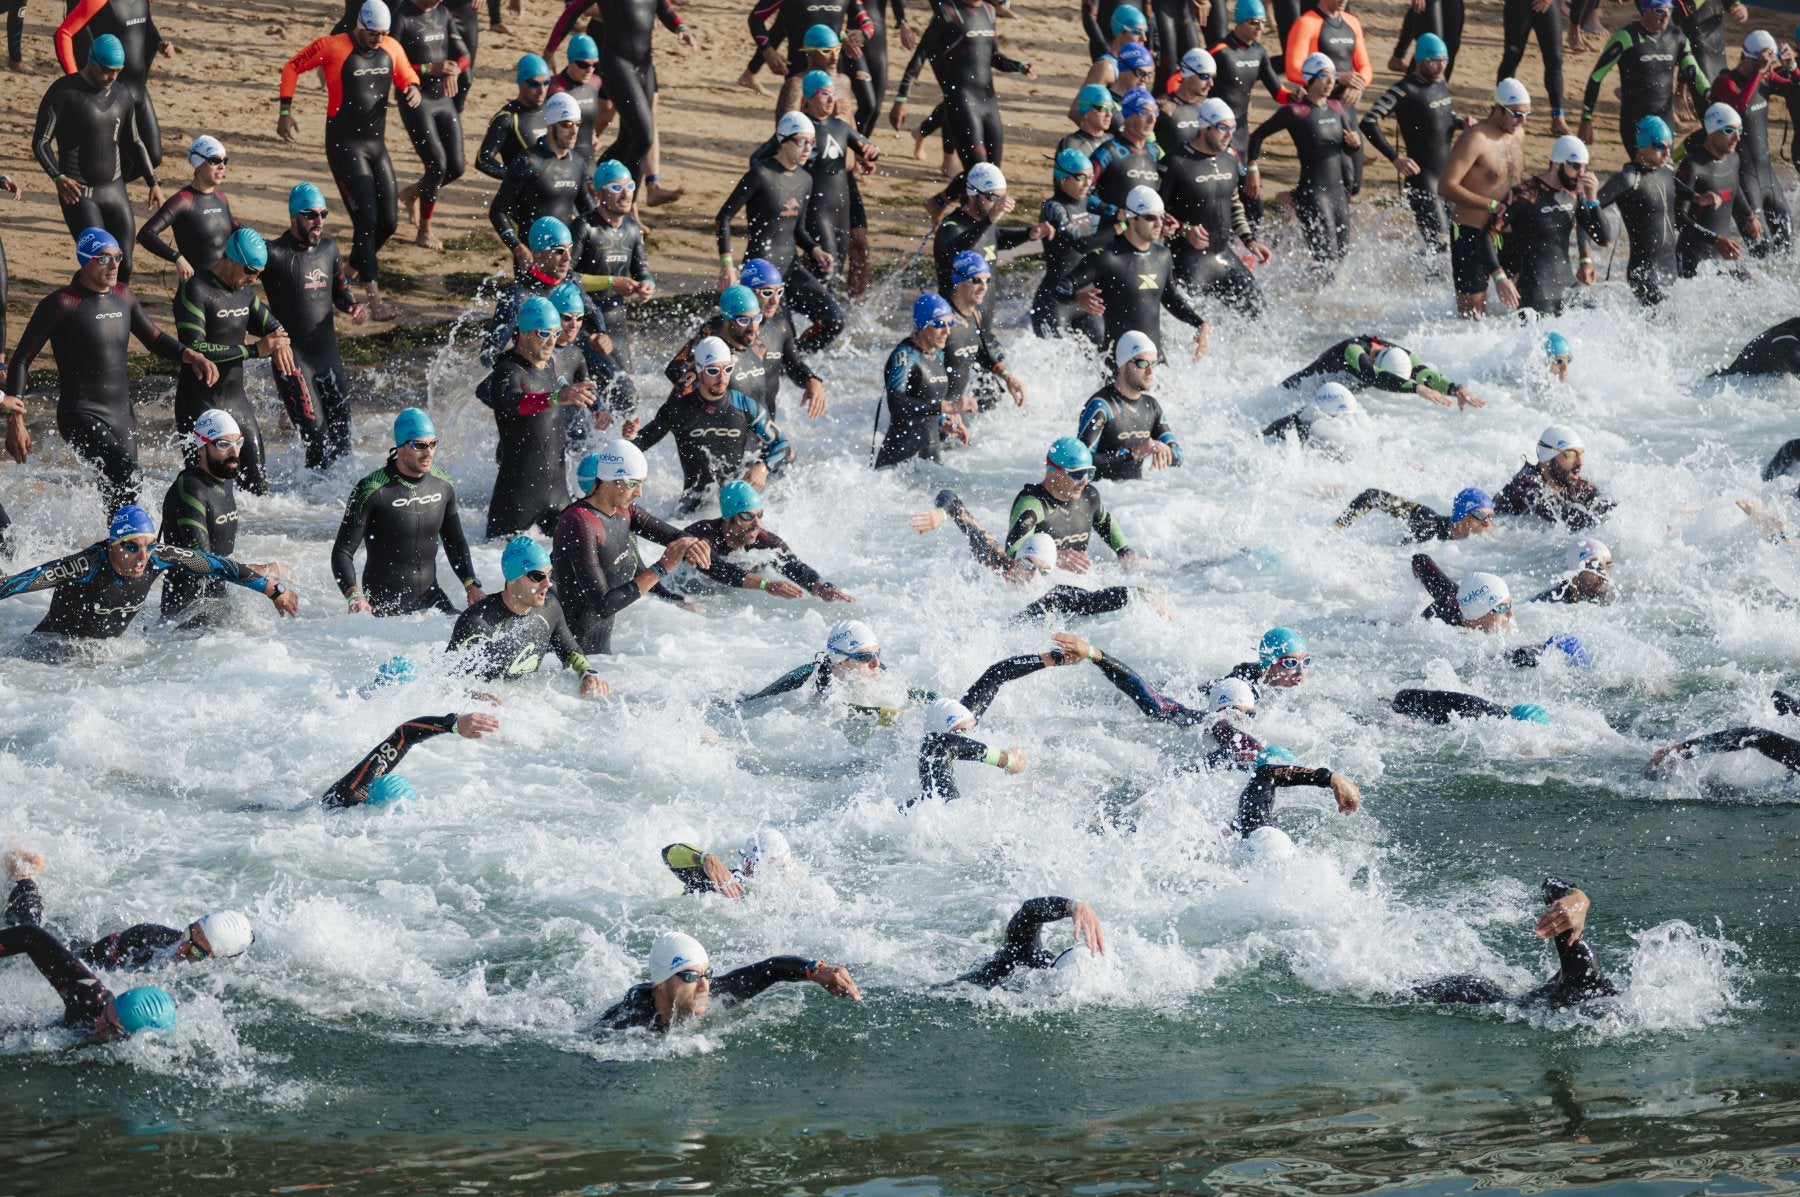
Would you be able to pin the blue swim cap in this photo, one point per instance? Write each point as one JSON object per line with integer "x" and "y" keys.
{"x": 1570, "y": 645}
{"x": 1275, "y": 754}
{"x": 531, "y": 66}
{"x": 148, "y": 1007}
{"x": 739, "y": 301}
{"x": 927, "y": 308}
{"x": 130, "y": 520}
{"x": 1071, "y": 162}
{"x": 305, "y": 198}
{"x": 568, "y": 300}
{"x": 1093, "y": 95}
{"x": 814, "y": 82}
{"x": 547, "y": 232}
{"x": 397, "y": 670}
{"x": 1277, "y": 643}
{"x": 247, "y": 248}
{"x": 537, "y": 314}
{"x": 611, "y": 170}
{"x": 109, "y": 52}
{"x": 1138, "y": 102}
{"x": 413, "y": 424}
{"x": 1128, "y": 17}
{"x": 820, "y": 37}
{"x": 1429, "y": 46}
{"x": 1653, "y": 130}
{"x": 1135, "y": 57}
{"x": 1530, "y": 712}
{"x": 587, "y": 472}
{"x": 1067, "y": 454}
{"x": 93, "y": 242}
{"x": 970, "y": 263}
{"x": 389, "y": 787}
{"x": 1557, "y": 345}
{"x": 521, "y": 554}
{"x": 583, "y": 48}
{"x": 759, "y": 272}
{"x": 737, "y": 497}
{"x": 1249, "y": 10}
{"x": 1471, "y": 498}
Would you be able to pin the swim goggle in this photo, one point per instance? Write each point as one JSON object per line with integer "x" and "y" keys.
{"x": 1293, "y": 662}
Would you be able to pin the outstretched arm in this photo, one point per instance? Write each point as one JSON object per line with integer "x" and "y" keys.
{"x": 352, "y": 789}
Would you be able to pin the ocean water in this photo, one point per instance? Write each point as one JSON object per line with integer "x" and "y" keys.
{"x": 411, "y": 1018}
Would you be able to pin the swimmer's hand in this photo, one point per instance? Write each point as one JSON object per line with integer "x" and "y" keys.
{"x": 928, "y": 521}
{"x": 721, "y": 877}
{"x": 1568, "y": 913}
{"x": 22, "y": 864}
{"x": 476, "y": 724}
{"x": 1349, "y": 798}
{"x": 835, "y": 979}
{"x": 1087, "y": 927}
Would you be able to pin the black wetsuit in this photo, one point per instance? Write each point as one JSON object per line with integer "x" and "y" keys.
{"x": 918, "y": 386}
{"x": 1076, "y": 232}
{"x": 89, "y": 332}
{"x": 712, "y": 440}
{"x": 1534, "y": 221}
{"x": 637, "y": 1009}
{"x": 1069, "y": 524}
{"x": 303, "y": 286}
{"x": 1120, "y": 166}
{"x": 936, "y": 779}
{"x": 1783, "y": 750}
{"x": 1134, "y": 284}
{"x": 1701, "y": 173}
{"x": 587, "y": 101}
{"x": 401, "y": 520}
{"x": 833, "y": 202}
{"x": 601, "y": 252}
{"x": 531, "y": 487}
{"x": 435, "y": 126}
{"x": 1058, "y": 600}
{"x": 962, "y": 231}
{"x": 1112, "y": 425}
{"x": 352, "y": 789}
{"x": 628, "y": 74}
{"x": 1578, "y": 976}
{"x": 1231, "y": 747}
{"x": 527, "y": 283}
{"x": 1703, "y": 21}
{"x": 1322, "y": 194}
{"x": 1426, "y": 115}
{"x": 1579, "y": 509}
{"x": 1765, "y": 194}
{"x": 971, "y": 344}
{"x": 1422, "y": 523}
{"x": 1021, "y": 948}
{"x": 538, "y": 183}
{"x": 1240, "y": 69}
{"x": 223, "y": 325}
{"x": 133, "y": 24}
{"x": 1648, "y": 70}
{"x": 774, "y": 203}
{"x": 86, "y": 1002}
{"x": 140, "y": 946}
{"x": 498, "y": 644}
{"x": 1647, "y": 201}
{"x": 95, "y": 133}
{"x": 1444, "y": 607}
{"x": 759, "y": 363}
{"x": 201, "y": 222}
{"x": 198, "y": 512}
{"x": 467, "y": 20}
{"x": 510, "y": 132}
{"x": 594, "y": 563}
{"x": 1519, "y": 22}
{"x": 1440, "y": 706}
{"x": 770, "y": 548}
{"x": 1352, "y": 362}
{"x": 1774, "y": 350}
{"x": 1204, "y": 191}
{"x": 961, "y": 45}
{"x": 92, "y": 602}
{"x": 1256, "y": 805}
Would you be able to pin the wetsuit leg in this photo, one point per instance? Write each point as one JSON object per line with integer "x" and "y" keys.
{"x": 1465, "y": 988}
{"x": 1286, "y": 13}
{"x": 111, "y": 451}
{"x": 875, "y": 57}
{"x": 808, "y": 295}
{"x": 436, "y": 138}
{"x": 1428, "y": 211}
{"x": 365, "y": 179}
{"x": 1072, "y": 600}
{"x": 1520, "y": 23}
{"x": 84, "y": 997}
{"x": 15, "y": 28}
{"x": 5, "y": 533}
{"x": 468, "y": 24}
{"x": 627, "y": 86}
{"x": 1765, "y": 195}
{"x": 1325, "y": 221}
{"x": 327, "y": 434}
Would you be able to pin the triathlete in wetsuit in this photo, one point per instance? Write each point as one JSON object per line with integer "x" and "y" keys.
{"x": 946, "y": 720}
{"x": 972, "y": 343}
{"x": 1578, "y": 977}
{"x": 1094, "y": 110}
{"x": 1470, "y": 515}
{"x": 1645, "y": 192}
{"x": 628, "y": 76}
{"x": 506, "y": 635}
{"x": 1330, "y": 29}
{"x": 215, "y": 311}
{"x": 1553, "y": 489}
{"x": 549, "y": 179}
{"x": 920, "y": 407}
{"x": 739, "y": 529}
{"x": 1228, "y": 701}
{"x": 1520, "y": 21}
{"x": 1129, "y": 159}
{"x": 713, "y": 426}
{"x": 519, "y": 123}
{"x": 593, "y": 555}
{"x": 372, "y": 780}
{"x": 1068, "y": 506}
{"x": 93, "y": 125}
{"x": 1330, "y": 417}
{"x": 963, "y": 49}
{"x": 851, "y": 654}
{"x": 1774, "y": 350}
{"x": 199, "y": 511}
{"x": 1275, "y": 768}
{"x": 1783, "y": 750}
{"x": 305, "y": 281}
{"x": 198, "y": 215}
{"x": 1179, "y": 119}
{"x": 973, "y": 228}
{"x": 524, "y": 392}
{"x": 98, "y": 591}
{"x": 88, "y": 325}
{"x": 1441, "y": 706}
{"x": 761, "y": 361}
{"x": 1715, "y": 206}
{"x": 1652, "y": 57}
{"x": 1074, "y": 230}
{"x": 1325, "y": 140}
{"x": 774, "y": 194}
{"x": 1590, "y": 575}
{"x": 437, "y": 52}
{"x": 834, "y": 203}
{"x": 1127, "y": 280}
{"x": 682, "y": 986}
{"x": 702, "y": 872}
{"x": 609, "y": 254}
{"x": 1426, "y": 114}
{"x": 1762, "y": 69}
{"x": 778, "y": 23}
{"x": 1122, "y": 424}
{"x": 132, "y": 23}
{"x": 1202, "y": 184}
{"x": 87, "y": 1003}
{"x": 463, "y": 15}
{"x": 1532, "y": 230}
{"x": 402, "y": 512}
{"x": 1023, "y": 947}
{"x": 357, "y": 67}
{"x": 1370, "y": 361}
{"x": 1704, "y": 23}
{"x": 1244, "y": 62}
{"x": 547, "y": 243}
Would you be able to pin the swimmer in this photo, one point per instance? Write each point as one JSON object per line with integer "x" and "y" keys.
{"x": 1553, "y": 489}
{"x": 1023, "y": 946}
{"x": 706, "y": 873}
{"x": 1471, "y": 514}
{"x": 372, "y": 780}
{"x": 682, "y": 986}
{"x": 1578, "y": 976}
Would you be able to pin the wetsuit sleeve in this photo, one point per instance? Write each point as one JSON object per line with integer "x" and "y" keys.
{"x": 456, "y": 544}
{"x": 500, "y": 211}
{"x": 1689, "y": 71}
{"x": 72, "y": 25}
{"x": 45, "y": 317}
{"x": 311, "y": 57}
{"x": 1375, "y": 499}
{"x": 1081, "y": 275}
{"x": 1783, "y": 750}
{"x": 185, "y": 518}
{"x": 1281, "y": 120}
{"x": 76, "y": 567}
{"x": 1176, "y": 301}
{"x": 1378, "y": 112}
{"x": 1273, "y": 83}
{"x": 1256, "y": 805}
{"x": 1107, "y": 527}
{"x": 144, "y": 329}
{"x": 135, "y": 947}
{"x": 788, "y": 682}
{"x": 740, "y": 195}
{"x": 85, "y": 999}
{"x": 980, "y": 696}
{"x": 1149, "y": 700}
{"x": 24, "y": 905}
{"x": 560, "y": 30}
{"x": 682, "y": 364}
{"x": 1425, "y": 374}
{"x": 742, "y": 984}
{"x": 150, "y": 236}
{"x": 775, "y": 444}
{"x": 660, "y": 425}
{"x": 787, "y": 561}
{"x": 404, "y": 74}
{"x": 1437, "y": 706}
{"x": 1439, "y": 586}
{"x": 350, "y": 534}
{"x": 1622, "y": 182}
{"x": 1072, "y": 600}
{"x": 487, "y": 159}
{"x": 43, "y": 133}
{"x": 985, "y": 548}
{"x": 1615, "y": 48}
{"x": 1021, "y": 947}
{"x": 684, "y": 861}
{"x": 1785, "y": 460}
{"x": 1288, "y": 423}
{"x": 936, "y": 39}
{"x": 342, "y": 297}
{"x": 352, "y": 789}
{"x": 171, "y": 556}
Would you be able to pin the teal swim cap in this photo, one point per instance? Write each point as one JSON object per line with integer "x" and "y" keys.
{"x": 305, "y": 198}
{"x": 739, "y": 300}
{"x": 820, "y": 37}
{"x": 1071, "y": 162}
{"x": 389, "y": 787}
{"x": 1278, "y": 643}
{"x": 611, "y": 171}
{"x": 1654, "y": 130}
{"x": 547, "y": 232}
{"x": 737, "y": 497}
{"x": 1429, "y": 46}
{"x": 1530, "y": 712}
{"x": 531, "y": 66}
{"x": 397, "y": 670}
{"x": 1128, "y": 18}
{"x": 412, "y": 425}
{"x": 537, "y": 314}
{"x": 1557, "y": 345}
{"x": 146, "y": 1008}
{"x": 109, "y": 52}
{"x": 1092, "y": 96}
{"x": 583, "y": 48}
{"x": 521, "y": 555}
{"x": 247, "y": 248}
{"x": 567, "y": 300}
{"x": 1069, "y": 454}
{"x": 1275, "y": 754}
{"x": 814, "y": 82}
{"x": 1249, "y": 10}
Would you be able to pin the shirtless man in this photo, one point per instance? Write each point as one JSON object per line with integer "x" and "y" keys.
{"x": 1487, "y": 161}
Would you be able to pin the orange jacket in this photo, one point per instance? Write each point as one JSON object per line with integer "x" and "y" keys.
{"x": 1303, "y": 39}
{"x": 328, "y": 54}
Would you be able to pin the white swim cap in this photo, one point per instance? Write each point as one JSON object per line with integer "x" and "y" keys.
{"x": 214, "y": 424}
{"x": 1216, "y": 112}
{"x": 1268, "y": 843}
{"x": 984, "y": 178}
{"x": 620, "y": 461}
{"x": 1589, "y": 550}
{"x": 1317, "y": 64}
{"x": 1132, "y": 344}
{"x": 765, "y": 848}
{"x": 711, "y": 351}
{"x": 1040, "y": 547}
{"x": 1198, "y": 62}
{"x": 1481, "y": 594}
{"x": 1510, "y": 93}
{"x": 561, "y": 107}
{"x": 375, "y": 17}
{"x": 1557, "y": 439}
{"x": 205, "y": 146}
{"x": 1394, "y": 360}
{"x": 794, "y": 124}
{"x": 1332, "y": 400}
{"x": 227, "y": 932}
{"x": 1760, "y": 42}
{"x": 1143, "y": 201}
{"x": 1233, "y": 692}
{"x": 674, "y": 952}
{"x": 1720, "y": 117}
{"x": 1570, "y": 150}
{"x": 851, "y": 637}
{"x": 943, "y": 714}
